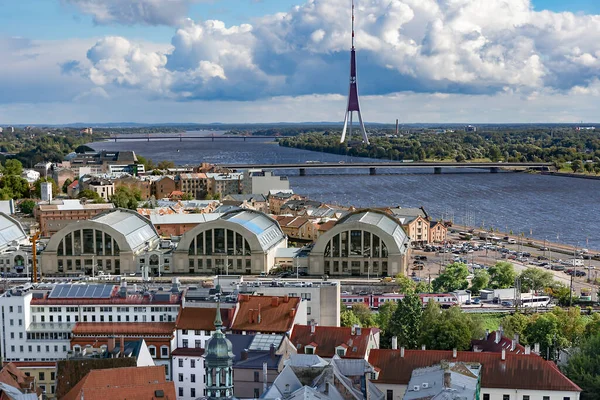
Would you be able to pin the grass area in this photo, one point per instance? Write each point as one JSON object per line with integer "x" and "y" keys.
{"x": 489, "y": 321}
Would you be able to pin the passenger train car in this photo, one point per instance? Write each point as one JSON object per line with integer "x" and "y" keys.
{"x": 374, "y": 301}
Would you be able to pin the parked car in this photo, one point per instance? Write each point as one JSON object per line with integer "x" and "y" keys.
{"x": 506, "y": 304}
{"x": 476, "y": 300}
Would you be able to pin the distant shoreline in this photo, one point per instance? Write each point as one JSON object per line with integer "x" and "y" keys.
{"x": 571, "y": 175}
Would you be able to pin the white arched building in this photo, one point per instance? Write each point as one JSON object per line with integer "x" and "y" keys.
{"x": 15, "y": 256}
{"x": 108, "y": 242}
{"x": 238, "y": 242}
{"x": 363, "y": 243}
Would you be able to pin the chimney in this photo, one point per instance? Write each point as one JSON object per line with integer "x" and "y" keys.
{"x": 402, "y": 352}
{"x": 527, "y": 349}
{"x": 274, "y": 301}
{"x": 423, "y": 347}
{"x": 396, "y": 126}
{"x": 515, "y": 342}
{"x": 272, "y": 350}
{"x": 312, "y": 328}
{"x": 536, "y": 348}
{"x": 258, "y": 318}
{"x": 326, "y": 392}
{"x": 244, "y": 355}
{"x": 487, "y": 334}
{"x": 122, "y": 346}
{"x": 353, "y": 330}
{"x": 394, "y": 342}
{"x": 454, "y": 352}
{"x": 447, "y": 379}
{"x": 111, "y": 344}
{"x": 498, "y": 335}
{"x": 265, "y": 376}
{"x": 503, "y": 354}
{"x": 286, "y": 298}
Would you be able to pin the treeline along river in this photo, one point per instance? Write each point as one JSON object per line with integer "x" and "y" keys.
{"x": 545, "y": 207}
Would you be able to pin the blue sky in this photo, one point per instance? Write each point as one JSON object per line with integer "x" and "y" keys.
{"x": 110, "y": 60}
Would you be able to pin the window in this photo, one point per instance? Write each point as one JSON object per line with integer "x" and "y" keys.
{"x": 180, "y": 392}
{"x": 256, "y": 393}
{"x": 486, "y": 396}
{"x": 546, "y": 398}
{"x": 52, "y": 376}
{"x": 192, "y": 363}
{"x": 10, "y": 309}
{"x": 340, "y": 352}
{"x": 256, "y": 376}
{"x": 506, "y": 397}
{"x": 198, "y": 344}
{"x": 42, "y": 376}
{"x": 184, "y": 343}
{"x": 525, "y": 397}
{"x": 184, "y": 332}
{"x": 566, "y": 398}
{"x": 193, "y": 377}
{"x": 181, "y": 363}
{"x": 193, "y": 392}
{"x": 164, "y": 351}
{"x": 180, "y": 377}
{"x": 389, "y": 395}
{"x": 152, "y": 350}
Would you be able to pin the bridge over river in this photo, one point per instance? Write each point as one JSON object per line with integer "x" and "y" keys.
{"x": 373, "y": 166}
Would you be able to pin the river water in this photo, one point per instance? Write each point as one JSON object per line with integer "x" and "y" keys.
{"x": 559, "y": 209}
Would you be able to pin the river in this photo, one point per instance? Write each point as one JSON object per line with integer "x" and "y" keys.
{"x": 558, "y": 209}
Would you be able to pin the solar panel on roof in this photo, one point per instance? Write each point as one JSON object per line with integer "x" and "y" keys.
{"x": 96, "y": 291}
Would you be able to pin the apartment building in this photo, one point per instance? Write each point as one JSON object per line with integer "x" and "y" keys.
{"x": 58, "y": 214}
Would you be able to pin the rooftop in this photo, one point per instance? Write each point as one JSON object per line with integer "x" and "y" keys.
{"x": 100, "y": 294}
{"x": 518, "y": 371}
{"x": 380, "y": 220}
{"x": 265, "y": 314}
{"x": 133, "y": 383}
{"x": 10, "y": 231}
{"x": 164, "y": 219}
{"x": 265, "y": 228}
{"x": 123, "y": 328}
{"x": 202, "y": 318}
{"x": 495, "y": 342}
{"x": 72, "y": 205}
{"x": 136, "y": 229}
{"x": 328, "y": 338}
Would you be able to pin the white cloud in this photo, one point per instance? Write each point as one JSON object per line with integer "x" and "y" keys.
{"x": 131, "y": 12}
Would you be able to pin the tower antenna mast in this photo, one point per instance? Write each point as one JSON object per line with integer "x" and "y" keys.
{"x": 353, "y": 103}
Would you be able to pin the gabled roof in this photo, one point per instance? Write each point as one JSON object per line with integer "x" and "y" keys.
{"x": 201, "y": 318}
{"x": 328, "y": 338}
{"x": 518, "y": 371}
{"x": 489, "y": 344}
{"x": 265, "y": 314}
{"x": 137, "y": 383}
{"x": 325, "y": 226}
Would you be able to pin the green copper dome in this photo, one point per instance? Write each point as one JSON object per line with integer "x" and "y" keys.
{"x": 219, "y": 351}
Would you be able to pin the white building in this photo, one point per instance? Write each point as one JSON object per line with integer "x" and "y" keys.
{"x": 46, "y": 191}
{"x": 259, "y": 181}
{"x": 30, "y": 175}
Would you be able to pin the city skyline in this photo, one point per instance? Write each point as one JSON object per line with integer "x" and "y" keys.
{"x": 153, "y": 61}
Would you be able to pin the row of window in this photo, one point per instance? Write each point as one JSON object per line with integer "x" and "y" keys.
{"x": 486, "y": 396}
{"x": 102, "y": 318}
{"x": 38, "y": 348}
{"x": 196, "y": 332}
{"x": 198, "y": 344}
{"x": 93, "y": 309}
{"x": 11, "y": 309}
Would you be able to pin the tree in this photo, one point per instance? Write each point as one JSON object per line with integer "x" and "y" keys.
{"x": 364, "y": 315}
{"x": 583, "y": 368}
{"x": 348, "y": 318}
{"x": 165, "y": 164}
{"x": 90, "y": 195}
{"x": 405, "y": 284}
{"x": 543, "y": 329}
{"x": 13, "y": 167}
{"x": 83, "y": 149}
{"x": 66, "y": 184}
{"x": 561, "y": 293}
{"x": 37, "y": 191}
{"x": 147, "y": 163}
{"x": 423, "y": 287}
{"x": 453, "y": 278}
{"x": 502, "y": 275}
{"x": 27, "y": 206}
{"x": 535, "y": 279}
{"x": 571, "y": 324}
{"x": 480, "y": 281}
{"x": 515, "y": 323}
{"x": 406, "y": 321}
{"x": 452, "y": 329}
{"x": 187, "y": 196}
{"x": 126, "y": 197}
{"x": 576, "y": 165}
{"x": 13, "y": 187}
{"x": 383, "y": 318}
{"x": 593, "y": 326}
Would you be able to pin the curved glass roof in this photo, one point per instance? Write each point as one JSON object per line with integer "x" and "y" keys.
{"x": 136, "y": 229}
{"x": 10, "y": 231}
{"x": 382, "y": 221}
{"x": 266, "y": 229}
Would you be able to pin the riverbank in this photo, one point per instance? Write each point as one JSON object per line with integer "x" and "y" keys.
{"x": 571, "y": 175}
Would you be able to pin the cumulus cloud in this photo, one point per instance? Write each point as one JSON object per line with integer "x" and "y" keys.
{"x": 433, "y": 46}
{"x": 131, "y": 12}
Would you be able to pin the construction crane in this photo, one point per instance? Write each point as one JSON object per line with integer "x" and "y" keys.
{"x": 34, "y": 278}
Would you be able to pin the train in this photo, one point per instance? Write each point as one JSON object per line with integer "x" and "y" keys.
{"x": 374, "y": 301}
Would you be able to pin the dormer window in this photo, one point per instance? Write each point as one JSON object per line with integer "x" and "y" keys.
{"x": 310, "y": 348}
{"x": 340, "y": 351}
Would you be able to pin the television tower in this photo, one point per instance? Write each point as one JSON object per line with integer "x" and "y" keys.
{"x": 353, "y": 104}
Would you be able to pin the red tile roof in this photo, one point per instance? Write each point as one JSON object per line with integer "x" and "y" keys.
{"x": 490, "y": 344}
{"x": 266, "y": 314}
{"x": 200, "y": 318}
{"x": 324, "y": 227}
{"x": 136, "y": 383}
{"x": 518, "y": 371}
{"x": 124, "y": 328}
{"x": 330, "y": 337}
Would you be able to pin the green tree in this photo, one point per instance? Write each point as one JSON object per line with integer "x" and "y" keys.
{"x": 406, "y": 321}
{"x": 146, "y": 162}
{"x": 423, "y": 287}
{"x": 66, "y": 184}
{"x": 13, "y": 186}
{"x": 535, "y": 279}
{"x": 452, "y": 329}
{"x": 405, "y": 284}
{"x": 126, "y": 197}
{"x": 480, "y": 280}
{"x": 187, "y": 196}
{"x": 348, "y": 318}
{"x": 165, "y": 164}
{"x": 571, "y": 324}
{"x": 583, "y": 368}
{"x": 90, "y": 195}
{"x": 364, "y": 315}
{"x": 453, "y": 278}
{"x": 382, "y": 319}
{"x": 37, "y": 188}
{"x": 516, "y": 323}
{"x": 502, "y": 275}
{"x": 27, "y": 206}
{"x": 544, "y": 329}
{"x": 593, "y": 326}
{"x": 13, "y": 167}
{"x": 561, "y": 293}
{"x": 577, "y": 165}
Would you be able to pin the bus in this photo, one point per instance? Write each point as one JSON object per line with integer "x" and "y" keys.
{"x": 585, "y": 294}
{"x": 536, "y": 301}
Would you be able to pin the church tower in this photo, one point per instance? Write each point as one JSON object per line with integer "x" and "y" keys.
{"x": 218, "y": 363}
